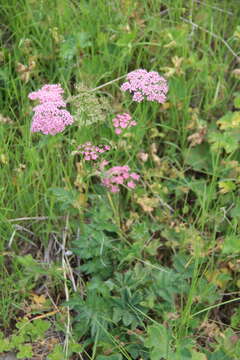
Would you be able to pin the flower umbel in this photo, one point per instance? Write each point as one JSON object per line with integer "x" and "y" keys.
{"x": 92, "y": 152}
{"x": 146, "y": 85}
{"x": 48, "y": 117}
{"x": 48, "y": 93}
{"x": 119, "y": 175}
{"x": 123, "y": 121}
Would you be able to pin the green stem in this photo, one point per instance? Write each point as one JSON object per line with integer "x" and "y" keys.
{"x": 115, "y": 212}
{"x": 214, "y": 306}
{"x": 71, "y": 98}
{"x": 117, "y": 218}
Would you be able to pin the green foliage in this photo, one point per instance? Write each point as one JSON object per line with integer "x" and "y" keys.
{"x": 198, "y": 157}
{"x": 27, "y": 333}
{"x": 231, "y": 244}
{"x": 25, "y": 351}
{"x": 110, "y": 357}
{"x": 59, "y": 352}
{"x": 73, "y": 44}
{"x": 67, "y": 198}
{"x": 158, "y": 342}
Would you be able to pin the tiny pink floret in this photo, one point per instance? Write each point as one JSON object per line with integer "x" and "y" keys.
{"x": 131, "y": 184}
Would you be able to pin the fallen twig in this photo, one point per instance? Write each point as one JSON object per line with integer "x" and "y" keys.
{"x": 40, "y": 218}
{"x": 213, "y": 7}
{"x": 213, "y": 35}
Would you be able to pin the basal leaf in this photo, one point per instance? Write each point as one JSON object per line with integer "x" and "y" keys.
{"x": 231, "y": 244}
{"x": 198, "y": 157}
{"x": 157, "y": 341}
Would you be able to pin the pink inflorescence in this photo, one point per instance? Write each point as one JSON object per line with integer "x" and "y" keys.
{"x": 146, "y": 85}
{"x": 48, "y": 117}
{"x": 92, "y": 152}
{"x": 119, "y": 175}
{"x": 123, "y": 121}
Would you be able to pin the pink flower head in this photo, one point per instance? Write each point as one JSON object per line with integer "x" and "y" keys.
{"x": 92, "y": 152}
{"x": 119, "y": 175}
{"x": 146, "y": 85}
{"x": 50, "y": 120}
{"x": 123, "y": 121}
{"x": 48, "y": 93}
{"x": 48, "y": 117}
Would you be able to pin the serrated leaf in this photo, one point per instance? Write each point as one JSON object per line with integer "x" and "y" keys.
{"x": 109, "y": 357}
{"x": 228, "y": 141}
{"x": 198, "y": 356}
{"x": 127, "y": 318}
{"x": 5, "y": 345}
{"x": 125, "y": 39}
{"x": 181, "y": 354}
{"x": 157, "y": 341}
{"x": 225, "y": 122}
{"x": 57, "y": 353}
{"x": 40, "y": 327}
{"x": 66, "y": 197}
{"x": 219, "y": 277}
{"x": 231, "y": 244}
{"x": 237, "y": 102}
{"x": 198, "y": 157}
{"x": 76, "y": 348}
{"x": 72, "y": 43}
{"x": 235, "y": 212}
{"x": 25, "y": 351}
{"x": 226, "y": 186}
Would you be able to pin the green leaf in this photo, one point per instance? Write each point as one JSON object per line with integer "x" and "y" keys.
{"x": 231, "y": 244}
{"x": 181, "y": 354}
{"x": 75, "y": 348}
{"x": 235, "y": 212}
{"x": 72, "y": 43}
{"x": 225, "y": 122}
{"x": 25, "y": 351}
{"x": 17, "y": 340}
{"x": 198, "y": 157}
{"x": 127, "y": 318}
{"x": 226, "y": 186}
{"x": 110, "y": 357}
{"x": 199, "y": 187}
{"x": 39, "y": 328}
{"x": 218, "y": 355}
{"x": 237, "y": 102}
{"x": 126, "y": 39}
{"x": 5, "y": 345}
{"x": 66, "y": 197}
{"x": 229, "y": 141}
{"x": 236, "y": 33}
{"x": 57, "y": 353}
{"x": 235, "y": 319}
{"x": 83, "y": 40}
{"x": 157, "y": 341}
{"x": 198, "y": 356}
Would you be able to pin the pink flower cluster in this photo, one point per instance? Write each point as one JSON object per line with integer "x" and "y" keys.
{"x": 146, "y": 85}
{"x": 119, "y": 175}
{"x": 92, "y": 152}
{"x": 48, "y": 117}
{"x": 123, "y": 121}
